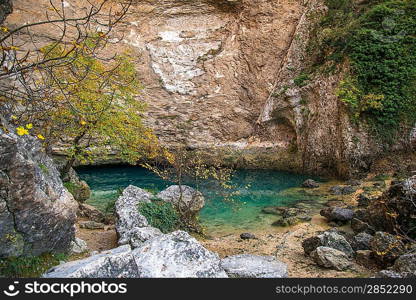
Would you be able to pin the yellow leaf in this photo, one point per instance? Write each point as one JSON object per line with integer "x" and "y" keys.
{"x": 21, "y": 131}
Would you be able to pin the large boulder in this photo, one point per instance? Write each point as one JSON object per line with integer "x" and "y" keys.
{"x": 331, "y": 258}
{"x": 254, "y": 266}
{"x": 386, "y": 248}
{"x": 174, "y": 255}
{"x": 328, "y": 239}
{"x": 127, "y": 212}
{"x": 37, "y": 214}
{"x": 183, "y": 197}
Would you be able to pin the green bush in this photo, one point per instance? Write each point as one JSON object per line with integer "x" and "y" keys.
{"x": 30, "y": 266}
{"x": 160, "y": 214}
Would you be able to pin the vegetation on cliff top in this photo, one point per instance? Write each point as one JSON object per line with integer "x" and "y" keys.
{"x": 375, "y": 40}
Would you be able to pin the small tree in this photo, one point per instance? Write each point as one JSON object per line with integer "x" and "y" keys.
{"x": 184, "y": 166}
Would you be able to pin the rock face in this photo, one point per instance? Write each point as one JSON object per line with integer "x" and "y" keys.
{"x": 331, "y": 258}
{"x": 127, "y": 212}
{"x": 191, "y": 199}
{"x": 5, "y": 9}
{"x": 37, "y": 214}
{"x": 174, "y": 255}
{"x": 254, "y": 266}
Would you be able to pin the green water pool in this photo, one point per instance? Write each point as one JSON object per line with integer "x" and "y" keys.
{"x": 253, "y": 190}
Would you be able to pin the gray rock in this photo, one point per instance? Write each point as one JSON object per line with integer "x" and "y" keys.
{"x": 310, "y": 184}
{"x": 176, "y": 255}
{"x": 362, "y": 241}
{"x": 92, "y": 225}
{"x": 247, "y": 236}
{"x": 254, "y": 266}
{"x": 405, "y": 263}
{"x": 127, "y": 211}
{"x": 328, "y": 239}
{"x": 337, "y": 214}
{"x": 37, "y": 214}
{"x": 393, "y": 274}
{"x": 138, "y": 235}
{"x": 191, "y": 200}
{"x": 336, "y": 241}
{"x": 78, "y": 246}
{"x": 331, "y": 258}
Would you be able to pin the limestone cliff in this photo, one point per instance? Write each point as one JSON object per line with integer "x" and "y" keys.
{"x": 218, "y": 75}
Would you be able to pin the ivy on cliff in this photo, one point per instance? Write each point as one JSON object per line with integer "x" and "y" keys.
{"x": 375, "y": 40}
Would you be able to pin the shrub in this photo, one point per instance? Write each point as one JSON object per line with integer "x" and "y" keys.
{"x": 160, "y": 214}
{"x": 30, "y": 266}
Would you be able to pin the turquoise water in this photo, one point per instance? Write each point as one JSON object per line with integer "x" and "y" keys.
{"x": 253, "y": 190}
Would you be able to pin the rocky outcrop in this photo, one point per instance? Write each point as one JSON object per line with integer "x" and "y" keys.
{"x": 174, "y": 255}
{"x": 185, "y": 198}
{"x": 395, "y": 208}
{"x": 37, "y": 214}
{"x": 127, "y": 212}
{"x": 254, "y": 266}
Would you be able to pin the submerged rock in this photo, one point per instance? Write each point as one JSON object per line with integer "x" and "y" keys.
{"x": 331, "y": 258}
{"x": 191, "y": 200}
{"x": 127, "y": 211}
{"x": 254, "y": 266}
{"x": 310, "y": 184}
{"x": 342, "y": 190}
{"x": 37, "y": 214}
